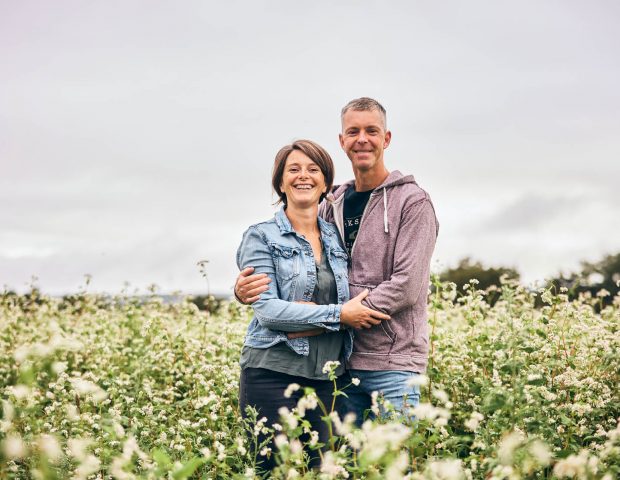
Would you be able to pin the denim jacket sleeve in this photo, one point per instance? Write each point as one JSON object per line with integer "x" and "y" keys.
{"x": 271, "y": 311}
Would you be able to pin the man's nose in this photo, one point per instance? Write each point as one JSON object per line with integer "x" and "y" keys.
{"x": 362, "y": 137}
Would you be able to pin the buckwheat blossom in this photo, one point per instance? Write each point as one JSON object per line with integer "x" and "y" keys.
{"x": 330, "y": 366}
{"x": 20, "y": 392}
{"x": 380, "y": 438}
{"x": 48, "y": 445}
{"x": 445, "y": 470}
{"x": 288, "y": 417}
{"x": 507, "y": 447}
{"x": 474, "y": 421}
{"x": 355, "y": 381}
{"x": 332, "y": 467}
{"x": 13, "y": 447}
{"x": 307, "y": 402}
{"x": 86, "y": 388}
{"x": 293, "y": 387}
{"x": 575, "y": 466}
{"x": 396, "y": 470}
{"x": 417, "y": 381}
{"x": 87, "y": 466}
{"x": 280, "y": 441}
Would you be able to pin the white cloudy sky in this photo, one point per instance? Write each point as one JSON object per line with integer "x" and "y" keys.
{"x": 137, "y": 137}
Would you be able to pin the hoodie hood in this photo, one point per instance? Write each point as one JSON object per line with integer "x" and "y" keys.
{"x": 394, "y": 179}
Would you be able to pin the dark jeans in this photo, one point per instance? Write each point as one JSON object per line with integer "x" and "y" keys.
{"x": 264, "y": 390}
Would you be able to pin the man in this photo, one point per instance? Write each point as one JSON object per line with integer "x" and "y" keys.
{"x": 389, "y": 228}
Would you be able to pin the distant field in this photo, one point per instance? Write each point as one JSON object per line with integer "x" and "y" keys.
{"x": 120, "y": 387}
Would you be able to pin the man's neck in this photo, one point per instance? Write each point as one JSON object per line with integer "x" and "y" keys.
{"x": 369, "y": 180}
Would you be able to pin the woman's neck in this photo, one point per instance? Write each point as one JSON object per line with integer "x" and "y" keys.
{"x": 303, "y": 219}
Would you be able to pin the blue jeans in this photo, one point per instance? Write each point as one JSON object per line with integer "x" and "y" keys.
{"x": 391, "y": 384}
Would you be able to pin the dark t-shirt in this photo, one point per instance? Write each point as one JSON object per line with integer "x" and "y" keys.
{"x": 354, "y": 205}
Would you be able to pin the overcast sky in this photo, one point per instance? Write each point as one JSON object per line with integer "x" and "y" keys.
{"x": 137, "y": 137}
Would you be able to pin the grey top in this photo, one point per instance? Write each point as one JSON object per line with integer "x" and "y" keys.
{"x": 323, "y": 348}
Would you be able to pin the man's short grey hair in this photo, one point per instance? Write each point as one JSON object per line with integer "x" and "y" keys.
{"x": 363, "y": 104}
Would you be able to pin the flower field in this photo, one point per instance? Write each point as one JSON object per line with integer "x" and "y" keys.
{"x": 131, "y": 387}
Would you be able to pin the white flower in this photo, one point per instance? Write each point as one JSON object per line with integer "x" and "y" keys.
{"x": 293, "y": 387}
{"x": 280, "y": 441}
{"x": 541, "y": 453}
{"x": 331, "y": 467}
{"x": 89, "y": 465}
{"x": 85, "y": 388}
{"x": 445, "y": 470}
{"x": 309, "y": 402}
{"x": 78, "y": 447}
{"x": 14, "y": 447}
{"x": 474, "y": 421}
{"x": 355, "y": 381}
{"x": 330, "y": 366}
{"x": 19, "y": 391}
{"x": 417, "y": 381}
{"x": 441, "y": 395}
{"x": 50, "y": 447}
{"x": 572, "y": 466}
{"x": 507, "y": 447}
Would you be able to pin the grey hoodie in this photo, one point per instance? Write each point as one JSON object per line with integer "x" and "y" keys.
{"x": 391, "y": 258}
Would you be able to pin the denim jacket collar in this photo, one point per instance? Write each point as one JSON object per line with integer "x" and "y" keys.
{"x": 284, "y": 224}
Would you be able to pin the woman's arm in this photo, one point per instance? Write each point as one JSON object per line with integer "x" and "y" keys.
{"x": 270, "y": 310}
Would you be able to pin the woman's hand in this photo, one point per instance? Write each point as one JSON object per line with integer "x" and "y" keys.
{"x": 354, "y": 314}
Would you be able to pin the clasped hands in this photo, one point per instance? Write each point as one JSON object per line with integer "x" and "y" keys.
{"x": 352, "y": 313}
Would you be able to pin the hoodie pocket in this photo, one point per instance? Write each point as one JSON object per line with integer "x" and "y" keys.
{"x": 377, "y": 340}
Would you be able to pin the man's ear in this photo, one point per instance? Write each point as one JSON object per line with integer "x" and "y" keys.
{"x": 341, "y": 139}
{"x": 388, "y": 139}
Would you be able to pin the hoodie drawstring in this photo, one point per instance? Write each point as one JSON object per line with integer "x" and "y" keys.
{"x": 385, "y": 221}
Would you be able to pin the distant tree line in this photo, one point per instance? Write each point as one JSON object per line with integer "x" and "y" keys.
{"x": 599, "y": 279}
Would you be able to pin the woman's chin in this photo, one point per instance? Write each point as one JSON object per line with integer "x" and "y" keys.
{"x": 302, "y": 204}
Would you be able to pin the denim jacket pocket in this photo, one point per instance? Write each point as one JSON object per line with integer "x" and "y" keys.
{"x": 286, "y": 259}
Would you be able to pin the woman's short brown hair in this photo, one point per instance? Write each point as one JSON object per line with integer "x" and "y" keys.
{"x": 314, "y": 152}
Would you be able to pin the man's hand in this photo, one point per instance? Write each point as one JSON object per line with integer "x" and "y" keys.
{"x": 249, "y": 287}
{"x": 354, "y": 314}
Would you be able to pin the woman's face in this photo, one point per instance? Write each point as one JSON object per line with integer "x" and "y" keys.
{"x": 302, "y": 181}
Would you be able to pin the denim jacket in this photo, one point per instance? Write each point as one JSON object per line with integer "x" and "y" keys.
{"x": 274, "y": 248}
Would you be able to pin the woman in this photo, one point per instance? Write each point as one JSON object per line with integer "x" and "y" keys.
{"x": 302, "y": 321}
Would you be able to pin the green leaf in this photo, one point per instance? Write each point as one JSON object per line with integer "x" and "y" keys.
{"x": 162, "y": 459}
{"x": 188, "y": 469}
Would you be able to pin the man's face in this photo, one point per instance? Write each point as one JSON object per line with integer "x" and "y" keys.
{"x": 364, "y": 138}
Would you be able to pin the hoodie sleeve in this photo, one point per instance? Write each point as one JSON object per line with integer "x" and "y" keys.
{"x": 412, "y": 257}
{"x": 271, "y": 311}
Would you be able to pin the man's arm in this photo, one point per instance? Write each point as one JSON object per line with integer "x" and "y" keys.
{"x": 412, "y": 256}
{"x": 277, "y": 314}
